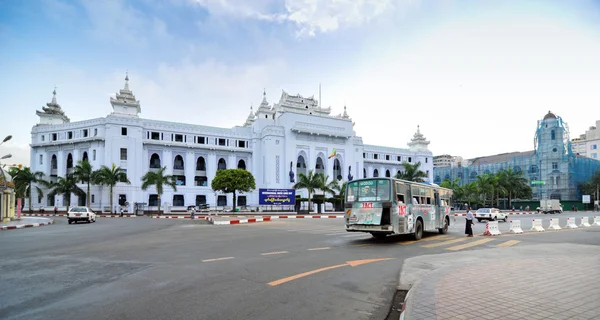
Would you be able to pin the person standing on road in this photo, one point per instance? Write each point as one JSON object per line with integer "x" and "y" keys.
{"x": 193, "y": 213}
{"x": 469, "y": 225}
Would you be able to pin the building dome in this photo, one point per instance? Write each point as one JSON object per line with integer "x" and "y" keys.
{"x": 550, "y": 115}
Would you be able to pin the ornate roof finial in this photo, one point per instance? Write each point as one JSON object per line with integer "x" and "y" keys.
{"x": 126, "y": 80}
{"x": 264, "y": 92}
{"x": 54, "y": 95}
{"x": 345, "y": 115}
{"x": 419, "y": 129}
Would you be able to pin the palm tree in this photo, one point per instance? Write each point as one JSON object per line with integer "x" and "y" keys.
{"x": 411, "y": 172}
{"x": 83, "y": 172}
{"x": 471, "y": 192}
{"x": 457, "y": 193}
{"x": 24, "y": 180}
{"x": 485, "y": 184}
{"x": 110, "y": 177}
{"x": 66, "y": 186}
{"x": 514, "y": 182}
{"x": 341, "y": 188}
{"x": 311, "y": 182}
{"x": 158, "y": 179}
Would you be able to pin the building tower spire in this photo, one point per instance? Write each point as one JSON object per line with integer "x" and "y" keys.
{"x": 54, "y": 96}
{"x": 126, "y": 88}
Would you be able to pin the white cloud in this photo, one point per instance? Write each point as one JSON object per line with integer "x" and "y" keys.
{"x": 310, "y": 16}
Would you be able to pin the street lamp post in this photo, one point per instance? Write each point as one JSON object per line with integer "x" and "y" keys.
{"x": 3, "y": 173}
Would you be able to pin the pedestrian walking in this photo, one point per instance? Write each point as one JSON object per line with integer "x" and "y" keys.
{"x": 121, "y": 212}
{"x": 469, "y": 224}
{"x": 193, "y": 213}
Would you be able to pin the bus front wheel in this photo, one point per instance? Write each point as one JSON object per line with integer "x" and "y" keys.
{"x": 418, "y": 230}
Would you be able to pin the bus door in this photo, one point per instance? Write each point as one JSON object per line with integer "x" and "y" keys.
{"x": 402, "y": 208}
{"x": 438, "y": 209}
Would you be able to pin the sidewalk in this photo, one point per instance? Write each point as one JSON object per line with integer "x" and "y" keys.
{"x": 25, "y": 222}
{"x": 546, "y": 281}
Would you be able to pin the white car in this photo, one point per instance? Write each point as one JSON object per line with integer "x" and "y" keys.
{"x": 76, "y": 214}
{"x": 491, "y": 214}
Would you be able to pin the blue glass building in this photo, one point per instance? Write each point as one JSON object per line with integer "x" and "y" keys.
{"x": 553, "y": 170}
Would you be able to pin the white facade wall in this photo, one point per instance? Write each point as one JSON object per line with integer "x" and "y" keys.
{"x": 272, "y": 144}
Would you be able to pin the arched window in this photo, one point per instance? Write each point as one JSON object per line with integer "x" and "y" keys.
{"x": 242, "y": 164}
{"x": 473, "y": 175}
{"x": 364, "y": 172}
{"x": 53, "y": 162}
{"x": 201, "y": 164}
{"x": 337, "y": 170}
{"x": 533, "y": 169}
{"x": 375, "y": 173}
{"x": 178, "y": 163}
{"x": 85, "y": 156}
{"x": 155, "y": 161}
{"x": 319, "y": 167}
{"x": 222, "y": 165}
{"x": 387, "y": 174}
{"x": 301, "y": 165}
{"x": 69, "y": 161}
{"x": 553, "y": 135}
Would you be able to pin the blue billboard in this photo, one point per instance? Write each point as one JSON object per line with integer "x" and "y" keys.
{"x": 276, "y": 197}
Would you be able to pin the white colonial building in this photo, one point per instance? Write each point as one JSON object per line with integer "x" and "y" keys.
{"x": 587, "y": 144}
{"x": 276, "y": 143}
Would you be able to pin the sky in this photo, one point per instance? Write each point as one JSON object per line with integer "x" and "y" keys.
{"x": 476, "y": 76}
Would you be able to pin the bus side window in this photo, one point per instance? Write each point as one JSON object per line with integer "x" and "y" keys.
{"x": 428, "y": 199}
{"x": 400, "y": 197}
{"x": 415, "y": 201}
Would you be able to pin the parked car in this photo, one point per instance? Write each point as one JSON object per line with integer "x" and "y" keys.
{"x": 491, "y": 214}
{"x": 77, "y": 214}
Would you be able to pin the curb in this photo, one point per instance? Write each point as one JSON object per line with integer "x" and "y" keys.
{"x": 263, "y": 218}
{"x": 21, "y": 226}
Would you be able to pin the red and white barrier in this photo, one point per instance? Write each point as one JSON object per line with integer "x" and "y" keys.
{"x": 596, "y": 221}
{"x": 571, "y": 223}
{"x": 537, "y": 226}
{"x": 554, "y": 224}
{"x": 515, "y": 226}
{"x": 491, "y": 228}
{"x": 585, "y": 222}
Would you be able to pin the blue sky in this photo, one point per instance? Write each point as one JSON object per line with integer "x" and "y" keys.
{"x": 475, "y": 75}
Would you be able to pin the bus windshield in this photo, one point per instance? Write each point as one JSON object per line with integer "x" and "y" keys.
{"x": 369, "y": 190}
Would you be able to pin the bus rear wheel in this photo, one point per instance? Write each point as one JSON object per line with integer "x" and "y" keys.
{"x": 444, "y": 230}
{"x": 418, "y": 230}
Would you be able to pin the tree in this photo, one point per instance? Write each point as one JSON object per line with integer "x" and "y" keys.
{"x": 485, "y": 185}
{"x": 311, "y": 182}
{"x": 110, "y": 177}
{"x": 591, "y": 186}
{"x": 470, "y": 192}
{"x": 233, "y": 180}
{"x": 515, "y": 184}
{"x": 411, "y": 172}
{"x": 24, "y": 180}
{"x": 83, "y": 172}
{"x": 66, "y": 186}
{"x": 457, "y": 193}
{"x": 158, "y": 179}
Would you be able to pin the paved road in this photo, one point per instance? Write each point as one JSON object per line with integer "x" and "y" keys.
{"x": 180, "y": 269}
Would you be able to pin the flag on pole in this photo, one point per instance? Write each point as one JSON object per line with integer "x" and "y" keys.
{"x": 333, "y": 154}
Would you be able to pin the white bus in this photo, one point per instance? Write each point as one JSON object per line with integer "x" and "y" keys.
{"x": 384, "y": 206}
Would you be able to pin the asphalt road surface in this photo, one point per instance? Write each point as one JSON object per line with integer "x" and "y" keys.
{"x": 181, "y": 269}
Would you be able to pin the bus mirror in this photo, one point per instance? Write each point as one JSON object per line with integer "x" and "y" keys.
{"x": 387, "y": 204}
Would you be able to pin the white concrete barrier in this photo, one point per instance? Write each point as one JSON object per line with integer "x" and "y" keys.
{"x": 515, "y": 226}
{"x": 491, "y": 228}
{"x": 570, "y": 223}
{"x": 585, "y": 222}
{"x": 554, "y": 224}
{"x": 537, "y": 225}
{"x": 596, "y": 221}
